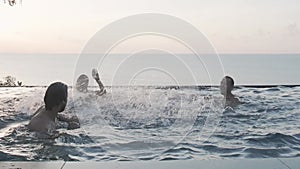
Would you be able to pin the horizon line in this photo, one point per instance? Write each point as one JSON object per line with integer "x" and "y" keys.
{"x": 220, "y": 53}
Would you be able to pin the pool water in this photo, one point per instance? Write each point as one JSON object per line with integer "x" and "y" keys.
{"x": 155, "y": 123}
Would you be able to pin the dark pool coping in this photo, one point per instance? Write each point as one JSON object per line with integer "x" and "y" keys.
{"x": 266, "y": 163}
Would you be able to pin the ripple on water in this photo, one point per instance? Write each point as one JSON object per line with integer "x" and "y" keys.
{"x": 174, "y": 124}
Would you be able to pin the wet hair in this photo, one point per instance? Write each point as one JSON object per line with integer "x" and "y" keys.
{"x": 82, "y": 83}
{"x": 226, "y": 85}
{"x": 56, "y": 93}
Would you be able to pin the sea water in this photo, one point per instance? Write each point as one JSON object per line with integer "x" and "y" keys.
{"x": 163, "y": 69}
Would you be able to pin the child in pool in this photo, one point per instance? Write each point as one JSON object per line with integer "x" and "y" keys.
{"x": 83, "y": 82}
{"x": 55, "y": 100}
{"x": 226, "y": 86}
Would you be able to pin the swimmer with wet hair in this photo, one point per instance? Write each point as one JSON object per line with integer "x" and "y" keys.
{"x": 83, "y": 82}
{"x": 226, "y": 87}
{"x": 55, "y": 101}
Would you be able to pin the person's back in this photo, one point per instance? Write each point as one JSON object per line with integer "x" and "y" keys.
{"x": 226, "y": 86}
{"x": 41, "y": 122}
{"x": 55, "y": 101}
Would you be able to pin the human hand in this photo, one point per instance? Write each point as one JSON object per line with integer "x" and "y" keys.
{"x": 95, "y": 74}
{"x": 73, "y": 125}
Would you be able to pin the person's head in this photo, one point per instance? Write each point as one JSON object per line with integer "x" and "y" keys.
{"x": 226, "y": 85}
{"x": 56, "y": 96}
{"x": 82, "y": 83}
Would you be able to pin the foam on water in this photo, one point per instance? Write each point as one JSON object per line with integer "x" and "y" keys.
{"x": 156, "y": 123}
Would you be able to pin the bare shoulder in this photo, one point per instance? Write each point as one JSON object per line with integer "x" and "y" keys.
{"x": 232, "y": 102}
{"x": 42, "y": 108}
{"x": 237, "y": 101}
{"x": 39, "y": 122}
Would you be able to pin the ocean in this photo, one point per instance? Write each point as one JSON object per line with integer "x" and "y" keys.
{"x": 155, "y": 69}
{"x": 160, "y": 113}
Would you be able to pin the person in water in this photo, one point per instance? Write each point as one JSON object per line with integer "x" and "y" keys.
{"x": 45, "y": 117}
{"x": 83, "y": 82}
{"x": 226, "y": 87}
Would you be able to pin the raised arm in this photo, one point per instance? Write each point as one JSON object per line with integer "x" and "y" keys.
{"x": 95, "y": 75}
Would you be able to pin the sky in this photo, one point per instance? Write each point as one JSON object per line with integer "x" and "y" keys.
{"x": 232, "y": 26}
